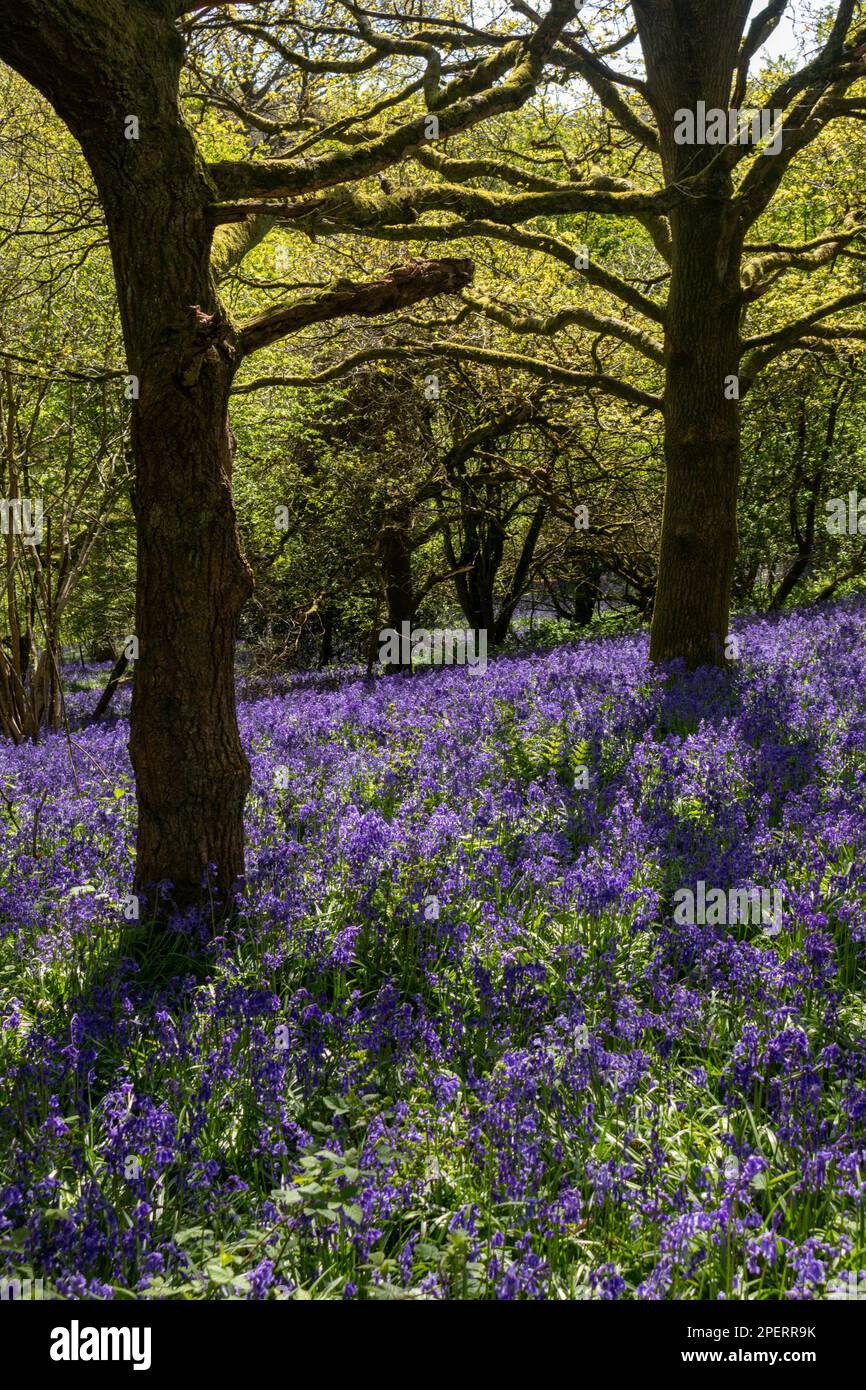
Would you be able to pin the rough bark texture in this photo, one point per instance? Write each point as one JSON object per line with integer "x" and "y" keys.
{"x": 99, "y": 64}
{"x": 691, "y": 55}
{"x": 402, "y": 286}
{"x": 191, "y": 772}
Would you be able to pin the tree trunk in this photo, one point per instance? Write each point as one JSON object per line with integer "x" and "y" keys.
{"x": 117, "y": 673}
{"x": 101, "y": 63}
{"x": 691, "y": 54}
{"x": 702, "y": 451}
{"x": 481, "y": 551}
{"x": 191, "y": 772}
{"x": 326, "y": 650}
{"x": 395, "y": 552}
{"x": 805, "y": 537}
{"x": 192, "y": 775}
{"x": 520, "y": 578}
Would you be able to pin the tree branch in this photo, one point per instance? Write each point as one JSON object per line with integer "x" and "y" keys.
{"x": 284, "y": 178}
{"x": 582, "y": 318}
{"x": 403, "y": 285}
{"x": 823, "y": 82}
{"x": 760, "y": 29}
{"x": 762, "y": 350}
{"x": 807, "y": 256}
{"x": 487, "y": 357}
{"x": 531, "y": 241}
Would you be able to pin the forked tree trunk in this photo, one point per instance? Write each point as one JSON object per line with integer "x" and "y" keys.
{"x": 691, "y": 53}
{"x": 481, "y": 552}
{"x": 519, "y": 579}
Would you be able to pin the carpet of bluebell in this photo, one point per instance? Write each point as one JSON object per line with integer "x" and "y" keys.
{"x": 454, "y": 1044}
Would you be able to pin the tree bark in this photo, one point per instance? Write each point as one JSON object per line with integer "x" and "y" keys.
{"x": 192, "y": 775}
{"x": 699, "y": 540}
{"x": 481, "y": 551}
{"x": 691, "y": 55}
{"x": 100, "y": 64}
